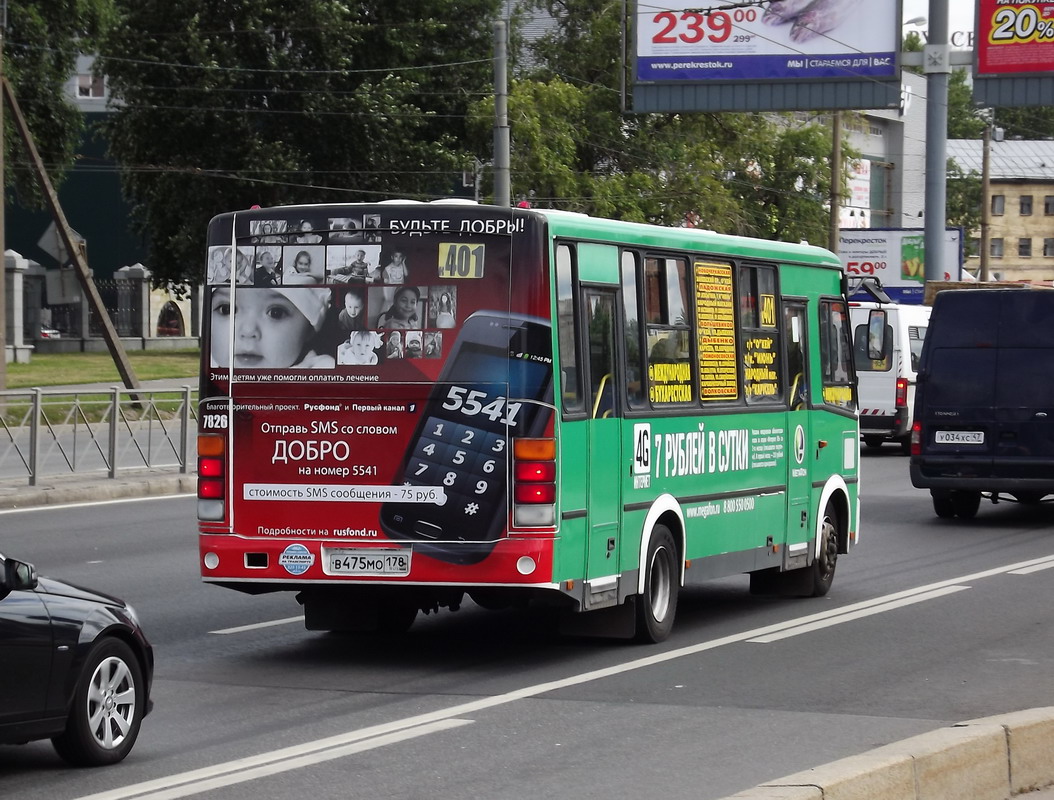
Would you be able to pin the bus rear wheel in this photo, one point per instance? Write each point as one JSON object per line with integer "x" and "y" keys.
{"x": 657, "y": 606}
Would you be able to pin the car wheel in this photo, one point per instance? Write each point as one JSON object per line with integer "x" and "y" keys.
{"x": 107, "y": 707}
{"x": 873, "y": 442}
{"x": 943, "y": 506}
{"x": 966, "y": 504}
{"x": 657, "y": 607}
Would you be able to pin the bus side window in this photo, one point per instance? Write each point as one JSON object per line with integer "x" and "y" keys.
{"x": 632, "y": 331}
{"x": 836, "y": 355}
{"x": 570, "y": 379}
{"x": 600, "y": 311}
{"x": 795, "y": 326}
{"x": 668, "y": 339}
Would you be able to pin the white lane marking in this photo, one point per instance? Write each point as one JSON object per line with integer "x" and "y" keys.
{"x": 864, "y": 612}
{"x": 1033, "y": 568}
{"x": 247, "y": 769}
{"x": 482, "y": 704}
{"x": 64, "y": 506}
{"x": 258, "y": 625}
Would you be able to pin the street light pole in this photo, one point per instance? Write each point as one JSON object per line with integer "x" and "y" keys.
{"x": 936, "y": 66}
{"x": 3, "y": 233}
{"x": 986, "y": 203}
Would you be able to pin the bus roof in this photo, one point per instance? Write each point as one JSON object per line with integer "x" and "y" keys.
{"x": 578, "y": 224}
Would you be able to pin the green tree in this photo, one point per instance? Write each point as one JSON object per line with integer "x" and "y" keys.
{"x": 221, "y": 104}
{"x": 41, "y": 45}
{"x": 963, "y": 203}
{"x": 965, "y": 120}
{"x": 1026, "y": 122}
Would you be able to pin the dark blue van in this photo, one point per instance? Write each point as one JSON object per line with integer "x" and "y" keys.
{"x": 984, "y": 404}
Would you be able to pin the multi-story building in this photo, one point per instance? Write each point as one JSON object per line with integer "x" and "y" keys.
{"x": 1021, "y": 204}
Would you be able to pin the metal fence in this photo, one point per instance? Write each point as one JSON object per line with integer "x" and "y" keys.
{"x": 103, "y": 431}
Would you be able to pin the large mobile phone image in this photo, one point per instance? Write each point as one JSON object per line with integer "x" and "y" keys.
{"x": 496, "y": 385}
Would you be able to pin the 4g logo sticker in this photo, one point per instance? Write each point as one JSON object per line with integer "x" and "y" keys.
{"x": 642, "y": 456}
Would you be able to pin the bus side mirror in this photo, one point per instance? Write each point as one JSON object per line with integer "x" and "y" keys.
{"x": 876, "y": 335}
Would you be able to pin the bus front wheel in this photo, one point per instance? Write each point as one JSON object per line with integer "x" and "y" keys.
{"x": 827, "y": 559}
{"x": 657, "y": 607}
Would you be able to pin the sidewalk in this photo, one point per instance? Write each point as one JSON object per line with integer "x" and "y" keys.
{"x": 995, "y": 758}
{"x": 96, "y": 486}
{"x": 88, "y": 488}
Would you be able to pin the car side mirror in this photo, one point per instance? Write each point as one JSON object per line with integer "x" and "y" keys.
{"x": 19, "y": 576}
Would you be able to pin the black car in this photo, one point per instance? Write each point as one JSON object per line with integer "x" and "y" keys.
{"x": 75, "y": 667}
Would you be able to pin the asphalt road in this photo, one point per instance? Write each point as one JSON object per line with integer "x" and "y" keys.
{"x": 929, "y": 622}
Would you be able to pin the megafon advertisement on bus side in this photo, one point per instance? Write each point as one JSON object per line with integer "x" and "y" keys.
{"x": 369, "y": 368}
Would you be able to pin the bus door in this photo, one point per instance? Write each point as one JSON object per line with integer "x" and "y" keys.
{"x": 603, "y": 462}
{"x": 799, "y": 484}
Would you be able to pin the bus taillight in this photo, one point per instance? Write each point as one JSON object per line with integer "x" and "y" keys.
{"x": 211, "y": 477}
{"x": 534, "y": 483}
{"x": 902, "y": 393}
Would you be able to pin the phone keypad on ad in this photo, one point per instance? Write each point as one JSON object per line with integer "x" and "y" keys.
{"x": 470, "y": 464}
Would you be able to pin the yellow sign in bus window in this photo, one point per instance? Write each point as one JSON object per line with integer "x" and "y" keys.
{"x": 457, "y": 260}
{"x": 716, "y": 321}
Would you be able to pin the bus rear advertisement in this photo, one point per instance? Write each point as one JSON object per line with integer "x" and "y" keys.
{"x": 404, "y": 404}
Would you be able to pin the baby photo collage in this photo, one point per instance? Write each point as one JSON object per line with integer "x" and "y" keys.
{"x": 316, "y": 298}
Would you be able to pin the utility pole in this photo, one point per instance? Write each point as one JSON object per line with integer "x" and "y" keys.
{"x": 3, "y": 233}
{"x": 836, "y": 181}
{"x": 502, "y": 187}
{"x": 986, "y": 203}
{"x": 113, "y": 342}
{"x": 936, "y": 66}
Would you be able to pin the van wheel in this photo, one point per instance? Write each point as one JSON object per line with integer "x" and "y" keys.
{"x": 943, "y": 506}
{"x": 657, "y": 607}
{"x": 966, "y": 504}
{"x": 905, "y": 445}
{"x": 874, "y": 442}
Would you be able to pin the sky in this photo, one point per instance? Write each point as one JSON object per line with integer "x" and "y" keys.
{"x": 960, "y": 14}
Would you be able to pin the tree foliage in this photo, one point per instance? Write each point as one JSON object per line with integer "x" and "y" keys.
{"x": 965, "y": 120}
{"x": 41, "y": 45}
{"x": 573, "y": 146}
{"x": 1028, "y": 122}
{"x": 963, "y": 203}
{"x": 221, "y": 104}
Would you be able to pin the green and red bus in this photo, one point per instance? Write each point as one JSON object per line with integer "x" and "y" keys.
{"x": 404, "y": 405}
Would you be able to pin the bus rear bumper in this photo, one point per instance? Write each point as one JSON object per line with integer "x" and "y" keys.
{"x": 289, "y": 565}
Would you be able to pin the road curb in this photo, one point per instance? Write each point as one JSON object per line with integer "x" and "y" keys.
{"x": 79, "y": 490}
{"x": 993, "y": 758}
